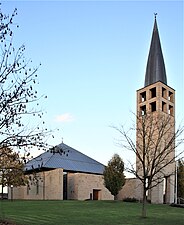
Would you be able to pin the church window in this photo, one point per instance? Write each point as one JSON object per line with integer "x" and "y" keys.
{"x": 171, "y": 96}
{"x": 143, "y": 110}
{"x": 164, "y": 107}
{"x": 164, "y": 93}
{"x": 153, "y": 106}
{"x": 143, "y": 96}
{"x": 171, "y": 110}
{"x": 153, "y": 92}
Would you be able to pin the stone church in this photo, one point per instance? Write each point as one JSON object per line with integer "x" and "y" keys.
{"x": 65, "y": 173}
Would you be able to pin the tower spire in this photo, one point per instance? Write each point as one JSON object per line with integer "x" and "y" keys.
{"x": 155, "y": 70}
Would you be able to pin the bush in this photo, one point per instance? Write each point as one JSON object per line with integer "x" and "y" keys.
{"x": 130, "y": 200}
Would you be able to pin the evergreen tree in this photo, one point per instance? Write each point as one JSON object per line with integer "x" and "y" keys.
{"x": 114, "y": 178}
{"x": 180, "y": 178}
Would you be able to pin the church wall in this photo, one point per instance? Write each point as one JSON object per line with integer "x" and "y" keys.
{"x": 157, "y": 194}
{"x": 171, "y": 189}
{"x": 18, "y": 192}
{"x": 49, "y": 185}
{"x": 80, "y": 186}
{"x": 72, "y": 184}
{"x": 128, "y": 190}
{"x": 83, "y": 186}
{"x": 54, "y": 184}
{"x": 139, "y": 190}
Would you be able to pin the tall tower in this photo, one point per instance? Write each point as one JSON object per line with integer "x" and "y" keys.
{"x": 157, "y": 100}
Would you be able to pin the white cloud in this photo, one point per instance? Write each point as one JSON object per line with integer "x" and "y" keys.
{"x": 66, "y": 117}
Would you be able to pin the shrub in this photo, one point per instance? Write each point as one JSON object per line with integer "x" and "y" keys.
{"x": 130, "y": 200}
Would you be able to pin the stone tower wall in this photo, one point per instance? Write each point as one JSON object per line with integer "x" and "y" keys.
{"x": 155, "y": 109}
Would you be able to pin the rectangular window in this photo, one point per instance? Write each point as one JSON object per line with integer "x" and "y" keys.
{"x": 143, "y": 96}
{"x": 164, "y": 107}
{"x": 153, "y": 106}
{"x": 171, "y": 96}
{"x": 171, "y": 110}
{"x": 164, "y": 93}
{"x": 153, "y": 92}
{"x": 143, "y": 110}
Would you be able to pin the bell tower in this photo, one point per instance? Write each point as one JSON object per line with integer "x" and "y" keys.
{"x": 157, "y": 99}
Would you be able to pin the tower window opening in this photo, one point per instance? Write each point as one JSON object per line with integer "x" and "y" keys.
{"x": 143, "y": 110}
{"x": 164, "y": 107}
{"x": 153, "y": 92}
{"x": 171, "y": 110}
{"x": 143, "y": 96}
{"x": 171, "y": 96}
{"x": 153, "y": 106}
{"x": 164, "y": 93}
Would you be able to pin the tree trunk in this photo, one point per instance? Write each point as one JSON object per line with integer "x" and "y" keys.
{"x": 11, "y": 192}
{"x": 144, "y": 204}
{"x": 2, "y": 191}
{"x": 2, "y": 186}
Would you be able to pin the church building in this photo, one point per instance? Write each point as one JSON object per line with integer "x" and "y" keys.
{"x": 65, "y": 173}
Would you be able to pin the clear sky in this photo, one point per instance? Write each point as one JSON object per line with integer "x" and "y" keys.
{"x": 93, "y": 56}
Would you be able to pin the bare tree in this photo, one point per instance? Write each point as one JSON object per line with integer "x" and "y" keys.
{"x": 19, "y": 100}
{"x": 154, "y": 148}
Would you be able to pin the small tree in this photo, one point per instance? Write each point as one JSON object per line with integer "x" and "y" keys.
{"x": 114, "y": 178}
{"x": 180, "y": 179}
{"x": 11, "y": 169}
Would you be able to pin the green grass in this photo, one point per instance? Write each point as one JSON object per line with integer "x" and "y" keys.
{"x": 88, "y": 212}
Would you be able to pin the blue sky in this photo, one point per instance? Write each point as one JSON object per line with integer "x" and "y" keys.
{"x": 93, "y": 56}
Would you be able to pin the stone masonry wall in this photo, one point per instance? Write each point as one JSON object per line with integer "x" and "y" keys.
{"x": 83, "y": 186}
{"x": 128, "y": 190}
{"x": 49, "y": 186}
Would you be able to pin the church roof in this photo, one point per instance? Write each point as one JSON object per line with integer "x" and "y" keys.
{"x": 67, "y": 158}
{"x": 155, "y": 70}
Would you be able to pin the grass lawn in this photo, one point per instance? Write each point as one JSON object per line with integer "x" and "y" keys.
{"x": 88, "y": 212}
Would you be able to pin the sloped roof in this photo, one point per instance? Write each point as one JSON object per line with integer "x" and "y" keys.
{"x": 67, "y": 158}
{"x": 155, "y": 70}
